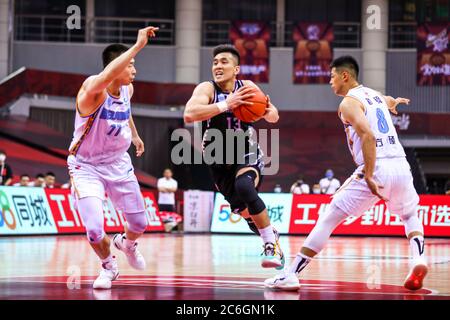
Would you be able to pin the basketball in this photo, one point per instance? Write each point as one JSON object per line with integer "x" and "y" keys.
{"x": 252, "y": 113}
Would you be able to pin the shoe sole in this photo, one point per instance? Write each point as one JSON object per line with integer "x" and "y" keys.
{"x": 271, "y": 264}
{"x": 283, "y": 288}
{"x": 415, "y": 280}
{"x": 103, "y": 288}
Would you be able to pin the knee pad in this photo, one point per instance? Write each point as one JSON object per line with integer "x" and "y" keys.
{"x": 245, "y": 188}
{"x": 137, "y": 222}
{"x": 95, "y": 235}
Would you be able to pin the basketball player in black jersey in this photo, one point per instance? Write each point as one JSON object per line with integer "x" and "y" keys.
{"x": 212, "y": 102}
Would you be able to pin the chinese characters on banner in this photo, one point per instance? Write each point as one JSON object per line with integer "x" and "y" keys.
{"x": 313, "y": 52}
{"x": 433, "y": 54}
{"x": 252, "y": 39}
{"x": 51, "y": 211}
{"x": 433, "y": 211}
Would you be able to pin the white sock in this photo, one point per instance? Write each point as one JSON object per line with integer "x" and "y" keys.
{"x": 106, "y": 263}
{"x": 128, "y": 243}
{"x": 299, "y": 263}
{"x": 417, "y": 245}
{"x": 267, "y": 234}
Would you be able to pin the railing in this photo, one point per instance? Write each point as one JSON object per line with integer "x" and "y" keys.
{"x": 214, "y": 32}
{"x": 123, "y": 30}
{"x": 402, "y": 34}
{"x": 347, "y": 34}
{"x": 98, "y": 29}
{"x": 46, "y": 28}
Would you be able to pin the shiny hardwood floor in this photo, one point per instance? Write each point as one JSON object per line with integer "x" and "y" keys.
{"x": 209, "y": 267}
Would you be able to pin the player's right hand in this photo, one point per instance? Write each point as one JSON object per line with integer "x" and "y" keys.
{"x": 397, "y": 101}
{"x": 374, "y": 187}
{"x": 239, "y": 97}
{"x": 144, "y": 34}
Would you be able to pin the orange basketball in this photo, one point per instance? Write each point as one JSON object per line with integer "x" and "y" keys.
{"x": 252, "y": 113}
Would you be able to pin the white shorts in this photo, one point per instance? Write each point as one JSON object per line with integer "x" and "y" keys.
{"x": 116, "y": 179}
{"x": 394, "y": 175}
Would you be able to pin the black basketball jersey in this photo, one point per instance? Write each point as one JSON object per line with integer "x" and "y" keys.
{"x": 227, "y": 121}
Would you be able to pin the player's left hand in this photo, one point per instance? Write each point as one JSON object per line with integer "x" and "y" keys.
{"x": 270, "y": 115}
{"x": 397, "y": 101}
{"x": 139, "y": 144}
{"x": 374, "y": 188}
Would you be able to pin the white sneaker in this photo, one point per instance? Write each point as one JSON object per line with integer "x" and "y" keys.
{"x": 109, "y": 273}
{"x": 134, "y": 257}
{"x": 283, "y": 281}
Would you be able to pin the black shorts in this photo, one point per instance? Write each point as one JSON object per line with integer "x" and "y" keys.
{"x": 166, "y": 207}
{"x": 224, "y": 177}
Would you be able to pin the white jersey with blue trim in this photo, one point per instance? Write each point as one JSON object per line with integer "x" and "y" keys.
{"x": 105, "y": 135}
{"x": 380, "y": 121}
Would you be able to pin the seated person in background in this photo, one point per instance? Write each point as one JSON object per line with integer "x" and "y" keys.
{"x": 329, "y": 185}
{"x": 277, "y": 189}
{"x": 167, "y": 186}
{"x": 300, "y": 187}
{"x": 447, "y": 187}
{"x": 50, "y": 180}
{"x": 6, "y": 173}
{"x": 39, "y": 181}
{"x": 316, "y": 189}
{"x": 24, "y": 181}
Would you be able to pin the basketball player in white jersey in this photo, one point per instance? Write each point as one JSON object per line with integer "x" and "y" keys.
{"x": 382, "y": 173}
{"x": 212, "y": 102}
{"x": 99, "y": 162}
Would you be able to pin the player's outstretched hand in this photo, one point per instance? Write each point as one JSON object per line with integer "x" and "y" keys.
{"x": 238, "y": 98}
{"x": 398, "y": 101}
{"x": 374, "y": 188}
{"x": 144, "y": 34}
{"x": 139, "y": 144}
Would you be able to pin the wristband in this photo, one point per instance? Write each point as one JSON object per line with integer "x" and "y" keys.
{"x": 222, "y": 105}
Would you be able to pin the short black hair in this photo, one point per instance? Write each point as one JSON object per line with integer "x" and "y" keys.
{"x": 50, "y": 174}
{"x": 3, "y": 152}
{"x": 112, "y": 51}
{"x": 39, "y": 175}
{"x": 347, "y": 62}
{"x": 227, "y": 48}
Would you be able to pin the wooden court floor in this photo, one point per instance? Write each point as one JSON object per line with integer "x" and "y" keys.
{"x": 217, "y": 267}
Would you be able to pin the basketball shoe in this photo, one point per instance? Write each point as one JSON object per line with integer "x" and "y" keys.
{"x": 273, "y": 257}
{"x": 109, "y": 273}
{"x": 414, "y": 280}
{"x": 134, "y": 257}
{"x": 283, "y": 281}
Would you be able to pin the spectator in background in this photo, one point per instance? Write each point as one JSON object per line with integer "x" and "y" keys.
{"x": 24, "y": 181}
{"x": 67, "y": 185}
{"x": 300, "y": 187}
{"x": 39, "y": 181}
{"x": 316, "y": 189}
{"x": 329, "y": 184}
{"x": 167, "y": 186}
{"x": 277, "y": 188}
{"x": 50, "y": 180}
{"x": 6, "y": 173}
{"x": 447, "y": 187}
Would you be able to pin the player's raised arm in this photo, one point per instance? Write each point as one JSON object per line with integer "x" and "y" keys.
{"x": 393, "y": 103}
{"x": 199, "y": 109}
{"x": 96, "y": 85}
{"x": 352, "y": 112}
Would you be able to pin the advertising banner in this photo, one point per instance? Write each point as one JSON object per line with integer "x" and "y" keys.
{"x": 252, "y": 40}
{"x": 278, "y": 207}
{"x": 313, "y": 52}
{"x": 51, "y": 211}
{"x": 433, "y": 54}
{"x": 198, "y": 207}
